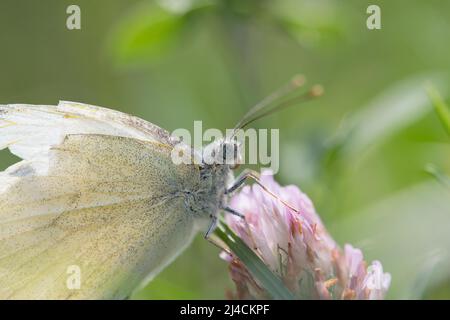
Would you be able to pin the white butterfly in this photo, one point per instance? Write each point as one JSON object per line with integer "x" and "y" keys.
{"x": 97, "y": 189}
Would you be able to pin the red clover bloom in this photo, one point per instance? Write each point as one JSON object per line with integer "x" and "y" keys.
{"x": 296, "y": 246}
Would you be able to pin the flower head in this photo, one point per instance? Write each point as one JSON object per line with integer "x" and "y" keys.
{"x": 295, "y": 245}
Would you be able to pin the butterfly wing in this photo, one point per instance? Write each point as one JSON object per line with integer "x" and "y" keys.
{"x": 109, "y": 207}
{"x": 29, "y": 130}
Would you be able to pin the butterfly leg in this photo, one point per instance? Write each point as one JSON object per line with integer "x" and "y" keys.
{"x": 234, "y": 212}
{"x": 214, "y": 220}
{"x": 211, "y": 227}
{"x": 240, "y": 180}
{"x": 240, "y": 215}
{"x": 211, "y": 240}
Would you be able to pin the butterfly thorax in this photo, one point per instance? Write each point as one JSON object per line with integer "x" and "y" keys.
{"x": 215, "y": 177}
{"x": 210, "y": 197}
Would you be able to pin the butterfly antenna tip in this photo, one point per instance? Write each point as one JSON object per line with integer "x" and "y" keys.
{"x": 298, "y": 80}
{"x": 316, "y": 91}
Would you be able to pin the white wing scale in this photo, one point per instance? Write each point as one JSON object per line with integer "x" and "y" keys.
{"x": 30, "y": 129}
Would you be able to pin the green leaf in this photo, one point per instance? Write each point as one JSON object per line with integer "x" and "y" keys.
{"x": 146, "y": 34}
{"x": 438, "y": 174}
{"x": 441, "y": 108}
{"x": 310, "y": 23}
{"x": 395, "y": 109}
{"x": 271, "y": 282}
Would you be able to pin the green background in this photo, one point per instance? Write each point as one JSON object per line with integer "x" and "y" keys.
{"x": 360, "y": 151}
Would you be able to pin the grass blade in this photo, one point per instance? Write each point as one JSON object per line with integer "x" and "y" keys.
{"x": 271, "y": 282}
{"x": 441, "y": 108}
{"x": 438, "y": 174}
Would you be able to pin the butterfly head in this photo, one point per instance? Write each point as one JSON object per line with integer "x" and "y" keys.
{"x": 226, "y": 152}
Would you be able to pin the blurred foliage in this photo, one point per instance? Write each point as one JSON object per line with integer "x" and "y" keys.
{"x": 443, "y": 112}
{"x": 144, "y": 34}
{"x": 359, "y": 151}
{"x": 438, "y": 174}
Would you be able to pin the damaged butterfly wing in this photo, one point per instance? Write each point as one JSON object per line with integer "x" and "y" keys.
{"x": 97, "y": 190}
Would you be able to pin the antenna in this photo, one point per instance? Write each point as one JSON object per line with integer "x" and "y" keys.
{"x": 268, "y": 105}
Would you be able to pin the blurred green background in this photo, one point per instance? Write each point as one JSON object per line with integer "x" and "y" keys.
{"x": 360, "y": 152}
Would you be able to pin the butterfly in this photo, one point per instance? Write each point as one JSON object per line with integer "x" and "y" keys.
{"x": 97, "y": 190}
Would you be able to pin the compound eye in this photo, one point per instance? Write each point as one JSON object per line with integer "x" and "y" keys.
{"x": 225, "y": 150}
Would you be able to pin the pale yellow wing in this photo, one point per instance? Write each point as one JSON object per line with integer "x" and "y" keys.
{"x": 111, "y": 207}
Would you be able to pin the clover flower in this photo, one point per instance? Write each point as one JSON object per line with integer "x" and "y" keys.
{"x": 295, "y": 245}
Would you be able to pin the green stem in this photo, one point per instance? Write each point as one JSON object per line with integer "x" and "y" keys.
{"x": 271, "y": 282}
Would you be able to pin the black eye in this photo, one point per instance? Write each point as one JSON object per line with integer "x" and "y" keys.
{"x": 224, "y": 151}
